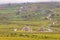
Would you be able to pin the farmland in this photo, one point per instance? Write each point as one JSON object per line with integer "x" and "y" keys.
{"x": 31, "y": 37}
{"x": 32, "y": 21}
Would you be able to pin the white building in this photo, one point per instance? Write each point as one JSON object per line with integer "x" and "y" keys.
{"x": 15, "y": 29}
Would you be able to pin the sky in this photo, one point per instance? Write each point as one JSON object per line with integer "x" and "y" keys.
{"x": 21, "y": 1}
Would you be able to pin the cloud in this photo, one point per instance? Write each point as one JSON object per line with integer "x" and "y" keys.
{"x": 19, "y": 1}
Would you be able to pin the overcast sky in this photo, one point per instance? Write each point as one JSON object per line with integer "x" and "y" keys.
{"x": 20, "y": 1}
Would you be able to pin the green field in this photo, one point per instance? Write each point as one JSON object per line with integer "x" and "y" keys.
{"x": 41, "y": 22}
{"x": 33, "y": 37}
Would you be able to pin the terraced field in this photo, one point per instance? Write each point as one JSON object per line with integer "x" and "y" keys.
{"x": 32, "y": 21}
{"x": 32, "y": 37}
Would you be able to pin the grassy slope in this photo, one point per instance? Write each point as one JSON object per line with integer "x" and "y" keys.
{"x": 10, "y": 13}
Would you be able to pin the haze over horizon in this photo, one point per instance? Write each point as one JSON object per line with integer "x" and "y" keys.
{"x": 24, "y": 1}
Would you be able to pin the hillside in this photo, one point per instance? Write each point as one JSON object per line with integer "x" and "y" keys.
{"x": 30, "y": 21}
{"x": 35, "y": 15}
{"x": 30, "y": 11}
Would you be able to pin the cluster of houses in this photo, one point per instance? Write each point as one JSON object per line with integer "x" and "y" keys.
{"x": 29, "y": 29}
